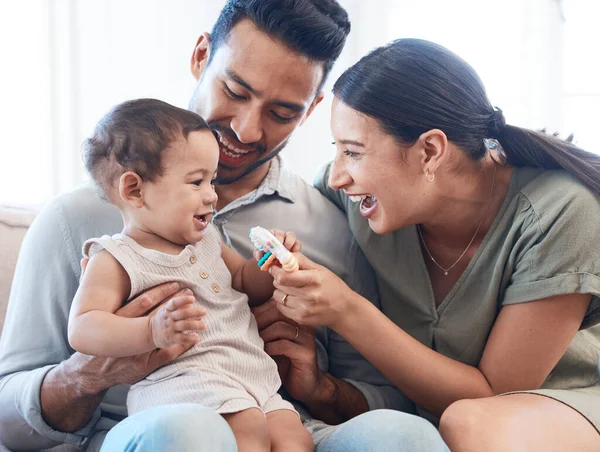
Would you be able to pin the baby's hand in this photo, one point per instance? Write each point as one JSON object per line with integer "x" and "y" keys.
{"x": 177, "y": 322}
{"x": 287, "y": 239}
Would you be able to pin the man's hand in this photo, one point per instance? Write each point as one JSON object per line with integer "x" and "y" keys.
{"x": 295, "y": 355}
{"x": 131, "y": 369}
{"x": 72, "y": 390}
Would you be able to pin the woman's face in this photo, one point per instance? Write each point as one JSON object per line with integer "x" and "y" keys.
{"x": 375, "y": 171}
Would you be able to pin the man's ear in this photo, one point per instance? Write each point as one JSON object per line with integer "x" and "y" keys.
{"x": 200, "y": 55}
{"x": 130, "y": 189}
{"x": 315, "y": 102}
{"x": 434, "y": 145}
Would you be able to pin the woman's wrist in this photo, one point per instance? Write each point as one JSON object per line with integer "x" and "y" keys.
{"x": 352, "y": 308}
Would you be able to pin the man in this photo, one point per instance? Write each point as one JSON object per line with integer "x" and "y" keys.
{"x": 259, "y": 76}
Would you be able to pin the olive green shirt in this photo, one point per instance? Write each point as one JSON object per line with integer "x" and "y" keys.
{"x": 544, "y": 242}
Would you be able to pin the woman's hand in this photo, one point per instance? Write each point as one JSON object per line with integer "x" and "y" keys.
{"x": 313, "y": 295}
{"x": 287, "y": 239}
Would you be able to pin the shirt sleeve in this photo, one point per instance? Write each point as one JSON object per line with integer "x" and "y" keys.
{"x": 34, "y": 335}
{"x": 556, "y": 254}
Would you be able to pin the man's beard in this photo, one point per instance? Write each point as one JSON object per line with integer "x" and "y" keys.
{"x": 221, "y": 180}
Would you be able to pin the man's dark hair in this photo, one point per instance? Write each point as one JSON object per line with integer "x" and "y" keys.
{"x": 316, "y": 29}
{"x": 132, "y": 137}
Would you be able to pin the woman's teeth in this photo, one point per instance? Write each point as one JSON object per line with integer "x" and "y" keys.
{"x": 360, "y": 198}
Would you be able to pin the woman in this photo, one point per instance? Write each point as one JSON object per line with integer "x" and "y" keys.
{"x": 484, "y": 239}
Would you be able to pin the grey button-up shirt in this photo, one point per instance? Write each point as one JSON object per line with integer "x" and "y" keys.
{"x": 34, "y": 338}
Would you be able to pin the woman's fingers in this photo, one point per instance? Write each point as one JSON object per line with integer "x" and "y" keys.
{"x": 299, "y": 279}
{"x": 291, "y": 313}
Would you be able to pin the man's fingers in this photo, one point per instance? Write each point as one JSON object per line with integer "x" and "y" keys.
{"x": 280, "y": 330}
{"x": 140, "y": 305}
{"x": 160, "y": 357}
{"x": 267, "y": 314}
{"x": 292, "y": 350}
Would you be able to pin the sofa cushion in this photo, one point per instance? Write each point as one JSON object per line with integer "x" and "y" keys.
{"x": 14, "y": 222}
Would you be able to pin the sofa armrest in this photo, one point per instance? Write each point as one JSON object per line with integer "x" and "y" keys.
{"x": 14, "y": 222}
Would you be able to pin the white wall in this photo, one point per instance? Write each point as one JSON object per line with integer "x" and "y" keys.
{"x": 66, "y": 62}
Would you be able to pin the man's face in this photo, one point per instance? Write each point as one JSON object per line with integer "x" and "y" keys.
{"x": 253, "y": 94}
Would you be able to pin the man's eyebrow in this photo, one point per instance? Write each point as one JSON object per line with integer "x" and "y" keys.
{"x": 355, "y": 143}
{"x": 290, "y": 106}
{"x": 297, "y": 108}
{"x": 236, "y": 78}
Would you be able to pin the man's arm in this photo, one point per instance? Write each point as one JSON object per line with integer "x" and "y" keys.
{"x": 48, "y": 395}
{"x": 34, "y": 337}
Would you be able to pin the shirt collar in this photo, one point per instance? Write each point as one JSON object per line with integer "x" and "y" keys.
{"x": 279, "y": 180}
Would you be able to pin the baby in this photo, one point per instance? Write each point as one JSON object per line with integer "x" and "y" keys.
{"x": 156, "y": 164}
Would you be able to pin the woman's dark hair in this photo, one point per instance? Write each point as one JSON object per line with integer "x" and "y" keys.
{"x": 411, "y": 86}
{"x": 316, "y": 29}
{"x": 132, "y": 137}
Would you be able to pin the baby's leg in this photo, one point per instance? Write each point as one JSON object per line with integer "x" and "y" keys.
{"x": 287, "y": 432}
{"x": 250, "y": 430}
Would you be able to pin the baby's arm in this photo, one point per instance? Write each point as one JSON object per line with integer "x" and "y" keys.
{"x": 94, "y": 329}
{"x": 246, "y": 277}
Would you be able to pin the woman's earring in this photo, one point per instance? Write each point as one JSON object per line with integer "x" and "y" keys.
{"x": 429, "y": 176}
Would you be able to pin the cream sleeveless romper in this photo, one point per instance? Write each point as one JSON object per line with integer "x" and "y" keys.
{"x": 228, "y": 369}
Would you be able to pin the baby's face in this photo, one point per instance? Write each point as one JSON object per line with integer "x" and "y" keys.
{"x": 178, "y": 205}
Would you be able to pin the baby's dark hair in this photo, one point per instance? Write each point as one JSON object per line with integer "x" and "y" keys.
{"x": 132, "y": 137}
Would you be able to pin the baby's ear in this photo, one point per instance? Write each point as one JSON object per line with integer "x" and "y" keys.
{"x": 130, "y": 189}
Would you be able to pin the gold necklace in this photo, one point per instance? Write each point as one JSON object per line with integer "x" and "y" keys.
{"x": 446, "y": 270}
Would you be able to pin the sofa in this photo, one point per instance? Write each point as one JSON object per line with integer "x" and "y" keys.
{"x": 14, "y": 222}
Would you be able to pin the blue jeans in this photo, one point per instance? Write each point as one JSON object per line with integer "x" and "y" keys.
{"x": 381, "y": 431}
{"x": 191, "y": 427}
{"x": 185, "y": 427}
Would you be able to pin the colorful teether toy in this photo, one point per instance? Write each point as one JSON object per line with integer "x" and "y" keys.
{"x": 274, "y": 250}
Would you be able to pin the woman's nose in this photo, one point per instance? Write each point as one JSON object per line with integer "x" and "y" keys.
{"x": 338, "y": 178}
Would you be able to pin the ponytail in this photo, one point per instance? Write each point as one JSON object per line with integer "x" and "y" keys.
{"x": 523, "y": 147}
